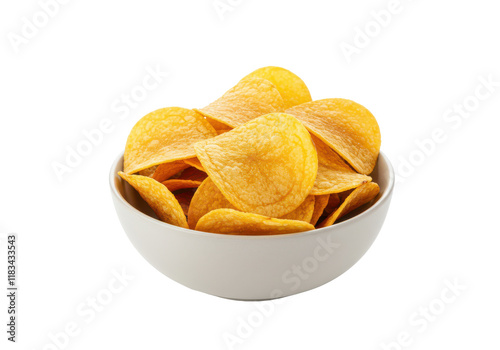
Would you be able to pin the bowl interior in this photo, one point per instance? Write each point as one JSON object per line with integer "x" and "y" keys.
{"x": 382, "y": 175}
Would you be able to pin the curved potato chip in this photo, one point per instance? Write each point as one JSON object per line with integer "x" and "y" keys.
{"x": 292, "y": 89}
{"x": 344, "y": 195}
{"x": 166, "y": 170}
{"x": 148, "y": 172}
{"x": 346, "y": 126}
{"x": 333, "y": 203}
{"x": 195, "y": 163}
{"x": 163, "y": 136}
{"x": 304, "y": 212}
{"x": 361, "y": 195}
{"x": 184, "y": 198}
{"x": 334, "y": 175}
{"x": 217, "y": 125}
{"x": 194, "y": 174}
{"x": 180, "y": 184}
{"x": 159, "y": 198}
{"x": 248, "y": 100}
{"x": 222, "y": 131}
{"x": 189, "y": 178}
{"x": 266, "y": 166}
{"x": 319, "y": 205}
{"x": 229, "y": 221}
{"x": 206, "y": 198}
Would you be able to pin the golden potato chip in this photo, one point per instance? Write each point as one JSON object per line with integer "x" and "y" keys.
{"x": 334, "y": 175}
{"x": 195, "y": 163}
{"x": 222, "y": 131}
{"x": 319, "y": 206}
{"x": 304, "y": 212}
{"x": 163, "y": 136}
{"x": 148, "y": 172}
{"x": 184, "y": 198}
{"x": 159, "y": 198}
{"x": 248, "y": 100}
{"x": 218, "y": 126}
{"x": 344, "y": 195}
{"x": 189, "y": 178}
{"x": 266, "y": 166}
{"x": 229, "y": 221}
{"x": 292, "y": 89}
{"x": 361, "y": 195}
{"x": 179, "y": 184}
{"x": 206, "y": 198}
{"x": 166, "y": 170}
{"x": 333, "y": 203}
{"x": 347, "y": 127}
{"x": 221, "y": 128}
{"x": 194, "y": 174}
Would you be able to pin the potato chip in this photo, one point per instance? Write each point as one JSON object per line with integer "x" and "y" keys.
{"x": 159, "y": 198}
{"x": 292, "y": 89}
{"x": 189, "y": 178}
{"x": 164, "y": 136}
{"x": 249, "y": 99}
{"x": 361, "y": 195}
{"x": 334, "y": 175}
{"x": 179, "y": 184}
{"x": 184, "y": 198}
{"x": 194, "y": 174}
{"x": 229, "y": 221}
{"x": 166, "y": 170}
{"x": 347, "y": 127}
{"x": 304, "y": 212}
{"x": 148, "y": 172}
{"x": 333, "y": 203}
{"x": 266, "y": 166}
{"x": 206, "y": 198}
{"x": 222, "y": 131}
{"x": 195, "y": 163}
{"x": 217, "y": 125}
{"x": 344, "y": 195}
{"x": 319, "y": 206}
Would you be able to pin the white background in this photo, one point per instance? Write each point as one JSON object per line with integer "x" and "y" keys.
{"x": 442, "y": 226}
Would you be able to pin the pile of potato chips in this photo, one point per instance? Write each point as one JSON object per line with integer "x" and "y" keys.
{"x": 262, "y": 159}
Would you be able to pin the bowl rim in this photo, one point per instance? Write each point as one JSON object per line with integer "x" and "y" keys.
{"x": 385, "y": 196}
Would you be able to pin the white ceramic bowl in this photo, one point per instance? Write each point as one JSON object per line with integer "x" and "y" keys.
{"x": 251, "y": 267}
